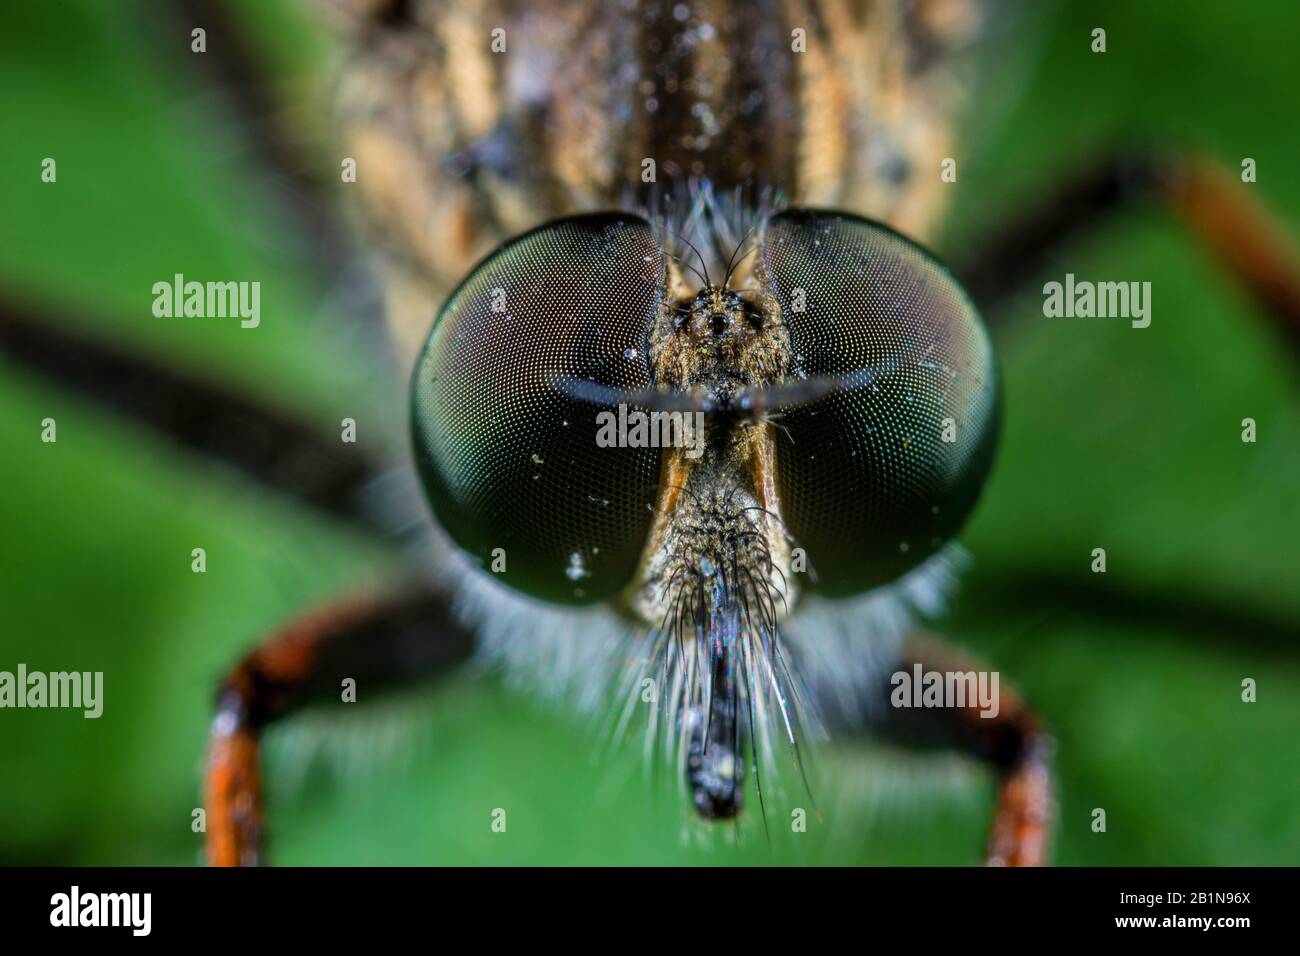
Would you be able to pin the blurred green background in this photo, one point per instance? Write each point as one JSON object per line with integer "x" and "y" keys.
{"x": 1114, "y": 437}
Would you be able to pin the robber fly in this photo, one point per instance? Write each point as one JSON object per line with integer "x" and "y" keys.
{"x": 592, "y": 219}
{"x": 698, "y": 209}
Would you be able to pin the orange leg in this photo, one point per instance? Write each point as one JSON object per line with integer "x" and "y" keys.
{"x": 1226, "y": 216}
{"x": 377, "y": 643}
{"x": 1013, "y": 742}
{"x": 1021, "y": 830}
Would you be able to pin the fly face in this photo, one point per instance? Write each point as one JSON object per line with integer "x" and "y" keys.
{"x": 846, "y": 396}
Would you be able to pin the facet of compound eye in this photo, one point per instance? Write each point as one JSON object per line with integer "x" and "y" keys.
{"x": 876, "y": 477}
{"x": 510, "y": 460}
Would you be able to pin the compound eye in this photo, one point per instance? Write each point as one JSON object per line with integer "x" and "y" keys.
{"x": 878, "y": 475}
{"x": 508, "y": 459}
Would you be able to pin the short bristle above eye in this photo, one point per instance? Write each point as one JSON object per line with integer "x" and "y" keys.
{"x": 509, "y": 460}
{"x": 875, "y": 478}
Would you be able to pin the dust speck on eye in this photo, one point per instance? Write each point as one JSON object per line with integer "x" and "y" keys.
{"x": 577, "y": 569}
